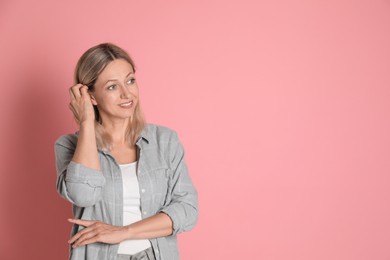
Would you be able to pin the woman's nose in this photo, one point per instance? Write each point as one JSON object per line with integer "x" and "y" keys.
{"x": 125, "y": 93}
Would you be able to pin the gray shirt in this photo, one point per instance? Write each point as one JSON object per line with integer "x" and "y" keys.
{"x": 164, "y": 185}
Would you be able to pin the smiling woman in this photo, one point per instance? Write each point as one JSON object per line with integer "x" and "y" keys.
{"x": 119, "y": 91}
{"x": 106, "y": 68}
{"x": 127, "y": 180}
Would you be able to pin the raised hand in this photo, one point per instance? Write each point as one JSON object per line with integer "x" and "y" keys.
{"x": 80, "y": 104}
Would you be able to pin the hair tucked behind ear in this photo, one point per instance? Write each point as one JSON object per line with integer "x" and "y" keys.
{"x": 88, "y": 69}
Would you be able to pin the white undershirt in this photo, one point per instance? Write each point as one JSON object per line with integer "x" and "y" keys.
{"x": 131, "y": 208}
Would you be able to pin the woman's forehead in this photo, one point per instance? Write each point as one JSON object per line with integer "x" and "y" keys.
{"x": 116, "y": 70}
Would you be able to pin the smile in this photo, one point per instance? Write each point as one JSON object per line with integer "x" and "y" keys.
{"x": 127, "y": 104}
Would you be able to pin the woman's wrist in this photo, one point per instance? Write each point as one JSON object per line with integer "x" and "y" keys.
{"x": 87, "y": 124}
{"x": 129, "y": 231}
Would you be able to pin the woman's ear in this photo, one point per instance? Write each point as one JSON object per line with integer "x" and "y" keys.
{"x": 93, "y": 100}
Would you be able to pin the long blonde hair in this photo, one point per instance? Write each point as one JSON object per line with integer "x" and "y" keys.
{"x": 88, "y": 69}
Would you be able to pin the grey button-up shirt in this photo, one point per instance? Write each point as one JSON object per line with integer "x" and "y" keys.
{"x": 97, "y": 195}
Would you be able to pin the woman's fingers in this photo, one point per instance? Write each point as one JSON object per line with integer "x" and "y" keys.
{"x": 84, "y": 90}
{"x": 81, "y": 104}
{"x": 89, "y": 224}
{"x": 75, "y": 91}
{"x": 96, "y": 231}
{"x": 82, "y": 222}
{"x": 80, "y": 239}
{"x": 71, "y": 94}
{"x": 78, "y": 235}
{"x": 87, "y": 241}
{"x": 85, "y": 94}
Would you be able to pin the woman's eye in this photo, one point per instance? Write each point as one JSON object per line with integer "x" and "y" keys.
{"x": 131, "y": 81}
{"x": 112, "y": 87}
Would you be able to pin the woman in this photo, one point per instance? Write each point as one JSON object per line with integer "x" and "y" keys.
{"x": 127, "y": 180}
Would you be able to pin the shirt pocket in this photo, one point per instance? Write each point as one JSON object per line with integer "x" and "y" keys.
{"x": 161, "y": 185}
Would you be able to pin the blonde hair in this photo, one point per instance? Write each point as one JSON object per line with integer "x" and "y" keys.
{"x": 88, "y": 69}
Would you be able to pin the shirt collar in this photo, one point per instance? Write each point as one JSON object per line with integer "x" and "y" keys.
{"x": 145, "y": 135}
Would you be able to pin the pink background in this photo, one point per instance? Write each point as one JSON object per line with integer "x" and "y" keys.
{"x": 282, "y": 106}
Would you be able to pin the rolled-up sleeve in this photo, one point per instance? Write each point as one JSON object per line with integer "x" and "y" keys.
{"x": 80, "y": 185}
{"x": 183, "y": 206}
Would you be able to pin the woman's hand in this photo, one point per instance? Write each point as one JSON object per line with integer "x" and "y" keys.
{"x": 80, "y": 104}
{"x": 97, "y": 231}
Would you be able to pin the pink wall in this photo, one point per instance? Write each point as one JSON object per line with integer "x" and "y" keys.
{"x": 283, "y": 108}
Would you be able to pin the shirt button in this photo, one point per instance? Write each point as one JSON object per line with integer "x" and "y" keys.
{"x": 143, "y": 190}
{"x": 144, "y": 212}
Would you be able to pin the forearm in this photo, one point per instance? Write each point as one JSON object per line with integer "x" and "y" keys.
{"x": 86, "y": 150}
{"x": 159, "y": 225}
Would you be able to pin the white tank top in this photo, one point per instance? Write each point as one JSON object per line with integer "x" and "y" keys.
{"x": 131, "y": 208}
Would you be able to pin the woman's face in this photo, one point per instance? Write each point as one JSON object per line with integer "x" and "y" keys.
{"x": 116, "y": 91}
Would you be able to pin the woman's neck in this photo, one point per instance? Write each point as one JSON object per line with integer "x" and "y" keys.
{"x": 116, "y": 130}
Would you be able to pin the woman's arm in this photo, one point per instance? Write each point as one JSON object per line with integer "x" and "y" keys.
{"x": 158, "y": 225}
{"x": 79, "y": 179}
{"x": 86, "y": 150}
{"x": 179, "y": 215}
{"x": 183, "y": 205}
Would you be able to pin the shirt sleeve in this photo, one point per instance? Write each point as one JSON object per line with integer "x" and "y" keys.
{"x": 183, "y": 207}
{"x": 80, "y": 185}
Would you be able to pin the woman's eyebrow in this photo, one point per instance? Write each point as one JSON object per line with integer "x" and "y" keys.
{"x": 129, "y": 74}
{"x": 117, "y": 79}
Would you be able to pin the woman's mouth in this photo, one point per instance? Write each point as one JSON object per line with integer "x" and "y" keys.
{"x": 127, "y": 104}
